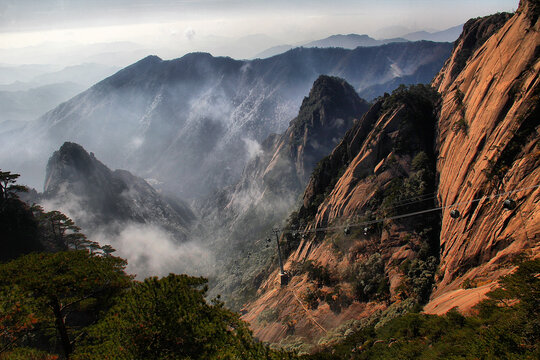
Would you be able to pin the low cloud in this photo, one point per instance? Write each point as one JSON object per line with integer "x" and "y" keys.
{"x": 149, "y": 249}
{"x": 253, "y": 148}
{"x": 152, "y": 251}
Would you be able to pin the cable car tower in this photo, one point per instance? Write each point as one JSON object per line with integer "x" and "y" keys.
{"x": 283, "y": 276}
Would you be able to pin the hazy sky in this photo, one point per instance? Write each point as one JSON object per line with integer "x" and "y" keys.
{"x": 36, "y": 30}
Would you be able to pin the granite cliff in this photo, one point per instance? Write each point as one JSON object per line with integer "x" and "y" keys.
{"x": 488, "y": 145}
{"x": 375, "y": 233}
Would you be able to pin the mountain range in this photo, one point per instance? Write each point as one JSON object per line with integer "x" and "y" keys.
{"x": 189, "y": 123}
{"x": 351, "y": 41}
{"x": 318, "y": 215}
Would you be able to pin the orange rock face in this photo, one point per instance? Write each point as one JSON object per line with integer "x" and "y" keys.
{"x": 486, "y": 135}
{"x": 489, "y": 150}
{"x": 372, "y": 163}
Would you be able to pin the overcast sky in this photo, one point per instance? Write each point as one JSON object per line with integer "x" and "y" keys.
{"x": 32, "y": 30}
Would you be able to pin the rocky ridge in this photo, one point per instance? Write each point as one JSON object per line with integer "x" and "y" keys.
{"x": 97, "y": 197}
{"x": 273, "y": 180}
{"x": 482, "y": 143}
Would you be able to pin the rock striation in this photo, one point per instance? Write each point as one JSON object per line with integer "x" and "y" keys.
{"x": 489, "y": 150}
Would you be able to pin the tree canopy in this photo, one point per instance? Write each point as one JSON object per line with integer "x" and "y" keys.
{"x": 8, "y": 188}
{"x": 59, "y": 294}
{"x": 169, "y": 318}
{"x": 81, "y": 305}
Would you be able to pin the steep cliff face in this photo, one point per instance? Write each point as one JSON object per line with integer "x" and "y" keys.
{"x": 475, "y": 33}
{"x": 489, "y": 145}
{"x": 469, "y": 147}
{"x": 284, "y": 163}
{"x": 96, "y": 196}
{"x": 383, "y": 167}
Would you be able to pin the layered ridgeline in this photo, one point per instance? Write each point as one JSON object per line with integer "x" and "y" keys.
{"x": 418, "y": 150}
{"x": 349, "y": 41}
{"x": 189, "y": 123}
{"x": 239, "y": 218}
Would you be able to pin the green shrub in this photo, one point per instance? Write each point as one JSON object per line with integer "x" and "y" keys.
{"x": 369, "y": 279}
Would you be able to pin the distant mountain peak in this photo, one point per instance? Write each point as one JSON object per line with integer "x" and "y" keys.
{"x": 69, "y": 156}
{"x": 330, "y": 94}
{"x": 151, "y": 58}
{"x": 197, "y": 55}
{"x": 98, "y": 196}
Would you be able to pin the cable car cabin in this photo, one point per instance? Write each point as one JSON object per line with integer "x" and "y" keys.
{"x": 509, "y": 204}
{"x": 283, "y": 278}
{"x": 454, "y": 214}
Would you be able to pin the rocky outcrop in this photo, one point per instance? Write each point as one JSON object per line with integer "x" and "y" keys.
{"x": 96, "y": 196}
{"x": 383, "y": 167}
{"x": 489, "y": 150}
{"x": 285, "y": 163}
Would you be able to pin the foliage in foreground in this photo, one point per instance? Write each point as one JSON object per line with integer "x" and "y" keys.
{"x": 47, "y": 300}
{"x": 82, "y": 305}
{"x": 169, "y": 318}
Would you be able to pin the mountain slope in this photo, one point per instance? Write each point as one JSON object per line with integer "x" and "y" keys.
{"x": 186, "y": 122}
{"x": 383, "y": 167}
{"x": 376, "y": 224}
{"x": 97, "y": 197}
{"x": 273, "y": 179}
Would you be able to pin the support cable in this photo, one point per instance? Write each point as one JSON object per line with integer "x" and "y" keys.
{"x": 371, "y": 222}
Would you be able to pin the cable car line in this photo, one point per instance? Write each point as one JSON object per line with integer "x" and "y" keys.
{"x": 371, "y": 222}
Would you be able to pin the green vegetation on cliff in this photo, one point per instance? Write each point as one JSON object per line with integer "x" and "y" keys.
{"x": 505, "y": 326}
